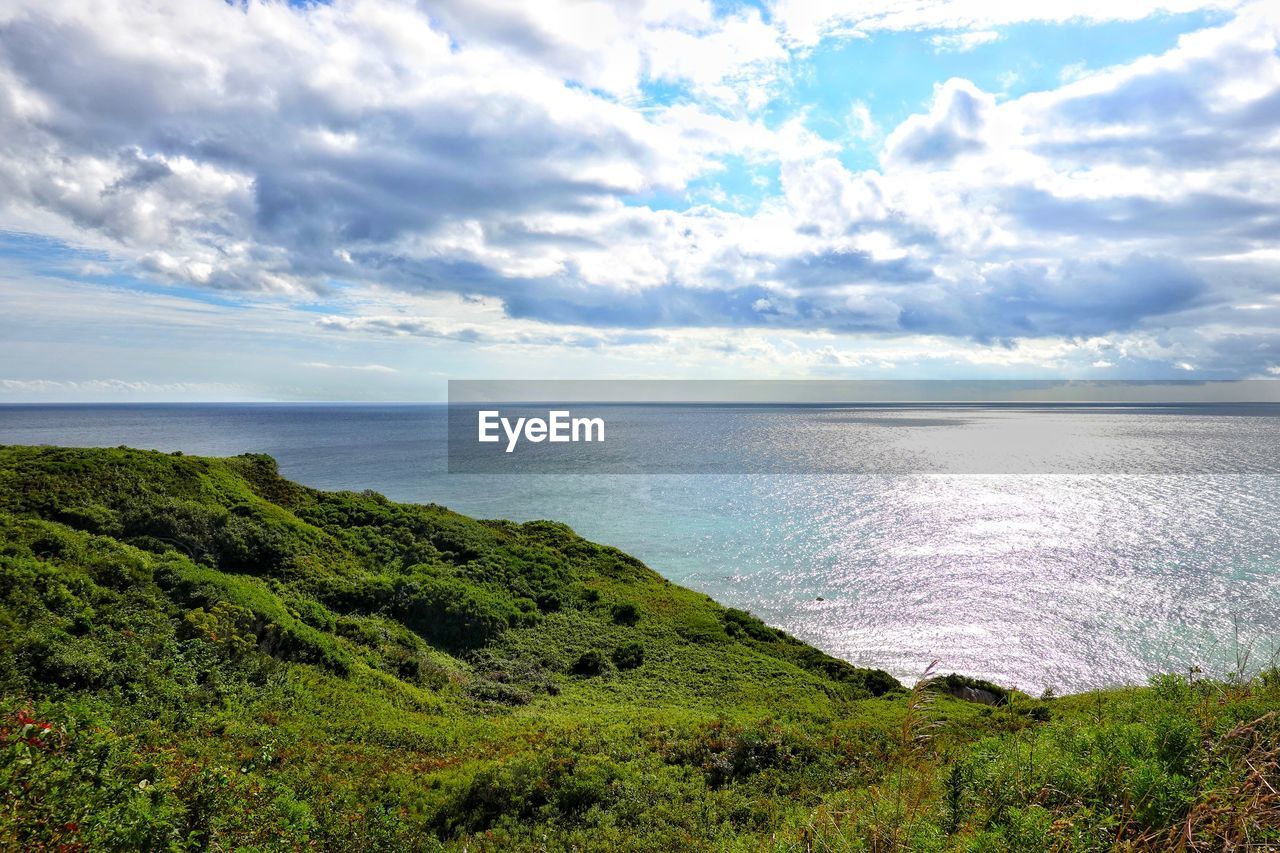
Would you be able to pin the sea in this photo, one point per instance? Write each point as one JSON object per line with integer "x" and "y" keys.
{"x": 1075, "y": 568}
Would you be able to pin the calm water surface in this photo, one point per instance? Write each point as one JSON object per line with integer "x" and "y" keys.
{"x": 1074, "y": 580}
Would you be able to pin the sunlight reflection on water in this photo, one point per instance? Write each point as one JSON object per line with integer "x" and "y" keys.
{"x": 1065, "y": 580}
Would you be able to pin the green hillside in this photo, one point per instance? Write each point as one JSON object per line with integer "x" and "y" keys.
{"x": 201, "y": 654}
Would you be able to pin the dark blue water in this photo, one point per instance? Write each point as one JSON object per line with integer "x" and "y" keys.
{"x": 1082, "y": 578}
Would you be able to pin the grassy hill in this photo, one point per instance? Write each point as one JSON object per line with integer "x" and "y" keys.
{"x": 201, "y": 654}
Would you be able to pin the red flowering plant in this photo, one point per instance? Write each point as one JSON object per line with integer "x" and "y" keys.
{"x": 25, "y": 734}
{"x": 25, "y": 739}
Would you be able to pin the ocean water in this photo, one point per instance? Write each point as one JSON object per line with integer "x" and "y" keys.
{"x": 1152, "y": 544}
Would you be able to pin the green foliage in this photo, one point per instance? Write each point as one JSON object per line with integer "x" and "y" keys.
{"x": 202, "y": 655}
{"x": 591, "y": 662}
{"x": 629, "y": 655}
{"x": 741, "y": 622}
{"x": 443, "y": 609}
{"x": 626, "y": 613}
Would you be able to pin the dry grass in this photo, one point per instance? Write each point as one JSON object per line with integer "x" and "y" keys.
{"x": 1239, "y": 816}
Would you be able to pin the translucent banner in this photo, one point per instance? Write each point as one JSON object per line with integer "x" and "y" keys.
{"x": 864, "y": 427}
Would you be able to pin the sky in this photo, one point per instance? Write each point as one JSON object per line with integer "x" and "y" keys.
{"x": 362, "y": 199}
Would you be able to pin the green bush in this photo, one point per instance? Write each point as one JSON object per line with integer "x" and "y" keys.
{"x": 626, "y": 613}
{"x": 628, "y": 655}
{"x": 591, "y": 662}
{"x": 741, "y": 622}
{"x": 449, "y": 612}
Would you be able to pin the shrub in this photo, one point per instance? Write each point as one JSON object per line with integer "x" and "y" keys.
{"x": 741, "y": 622}
{"x": 508, "y": 681}
{"x": 443, "y": 610}
{"x": 550, "y": 785}
{"x": 550, "y": 602}
{"x": 726, "y": 753}
{"x": 628, "y": 655}
{"x": 626, "y": 613}
{"x": 591, "y": 663}
{"x": 90, "y": 517}
{"x": 973, "y": 689}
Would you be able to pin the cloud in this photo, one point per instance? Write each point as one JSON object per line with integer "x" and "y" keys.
{"x": 956, "y": 124}
{"x": 1074, "y": 299}
{"x": 810, "y": 21}
{"x": 224, "y": 145}
{"x": 963, "y": 42}
{"x": 362, "y": 368}
{"x": 95, "y": 387}
{"x": 537, "y": 159}
{"x": 506, "y": 334}
{"x": 861, "y": 124}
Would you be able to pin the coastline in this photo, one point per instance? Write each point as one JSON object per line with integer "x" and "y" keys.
{"x": 370, "y": 673}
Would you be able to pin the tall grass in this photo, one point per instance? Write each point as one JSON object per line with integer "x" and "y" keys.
{"x": 1188, "y": 764}
{"x": 887, "y": 816}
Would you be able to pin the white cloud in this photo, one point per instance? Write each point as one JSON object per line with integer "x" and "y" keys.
{"x": 218, "y": 145}
{"x": 473, "y": 175}
{"x": 861, "y": 124}
{"x": 112, "y": 387}
{"x": 958, "y": 123}
{"x": 809, "y": 21}
{"x": 964, "y": 41}
{"x": 734, "y": 60}
{"x": 364, "y": 368}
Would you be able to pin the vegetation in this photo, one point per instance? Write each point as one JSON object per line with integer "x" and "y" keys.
{"x": 201, "y": 654}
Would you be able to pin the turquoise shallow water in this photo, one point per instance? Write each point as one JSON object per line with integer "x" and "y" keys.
{"x": 1075, "y": 580}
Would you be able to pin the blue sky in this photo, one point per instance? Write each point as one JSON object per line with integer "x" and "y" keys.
{"x": 363, "y": 199}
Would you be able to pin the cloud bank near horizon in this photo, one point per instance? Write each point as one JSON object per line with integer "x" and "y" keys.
{"x": 660, "y": 181}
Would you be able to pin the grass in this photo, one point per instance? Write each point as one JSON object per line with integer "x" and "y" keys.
{"x": 202, "y": 655}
